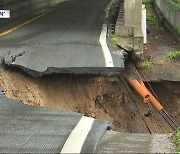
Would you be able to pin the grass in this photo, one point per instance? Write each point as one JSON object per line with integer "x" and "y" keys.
{"x": 158, "y": 28}
{"x": 114, "y": 39}
{"x": 176, "y": 140}
{"x": 177, "y": 30}
{"x": 153, "y": 21}
{"x": 148, "y": 64}
{"x": 150, "y": 16}
{"x": 146, "y": 2}
{"x": 173, "y": 54}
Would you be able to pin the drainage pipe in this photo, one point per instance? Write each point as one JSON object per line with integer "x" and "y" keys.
{"x": 134, "y": 79}
{"x": 144, "y": 92}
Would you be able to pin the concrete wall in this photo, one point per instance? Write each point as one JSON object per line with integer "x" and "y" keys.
{"x": 172, "y": 17}
{"x": 22, "y": 10}
{"x": 129, "y": 28}
{"x": 132, "y": 13}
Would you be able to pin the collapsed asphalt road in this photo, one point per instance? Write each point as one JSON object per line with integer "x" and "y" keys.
{"x": 29, "y": 129}
{"x": 23, "y": 49}
{"x": 67, "y": 39}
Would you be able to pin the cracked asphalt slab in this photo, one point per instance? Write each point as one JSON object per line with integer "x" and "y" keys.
{"x": 66, "y": 40}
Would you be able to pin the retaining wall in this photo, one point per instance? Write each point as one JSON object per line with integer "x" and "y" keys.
{"x": 170, "y": 19}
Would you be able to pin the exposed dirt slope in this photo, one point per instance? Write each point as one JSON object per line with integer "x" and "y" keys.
{"x": 95, "y": 96}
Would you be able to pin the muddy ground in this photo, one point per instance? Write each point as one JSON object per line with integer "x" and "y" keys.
{"x": 95, "y": 96}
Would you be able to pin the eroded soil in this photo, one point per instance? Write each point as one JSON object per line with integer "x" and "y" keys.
{"x": 96, "y": 96}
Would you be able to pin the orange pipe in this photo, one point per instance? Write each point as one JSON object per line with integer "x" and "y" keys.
{"x": 144, "y": 92}
{"x": 155, "y": 103}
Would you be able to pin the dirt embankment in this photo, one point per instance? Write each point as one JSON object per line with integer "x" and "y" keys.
{"x": 96, "y": 96}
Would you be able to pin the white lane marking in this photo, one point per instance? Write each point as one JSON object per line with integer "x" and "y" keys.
{"x": 106, "y": 52}
{"x": 77, "y": 137}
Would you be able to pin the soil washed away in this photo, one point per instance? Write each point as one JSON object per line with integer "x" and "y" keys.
{"x": 95, "y": 96}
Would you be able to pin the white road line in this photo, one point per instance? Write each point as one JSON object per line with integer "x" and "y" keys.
{"x": 77, "y": 137}
{"x": 106, "y": 52}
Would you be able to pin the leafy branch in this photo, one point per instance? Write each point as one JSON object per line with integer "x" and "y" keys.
{"x": 174, "y": 6}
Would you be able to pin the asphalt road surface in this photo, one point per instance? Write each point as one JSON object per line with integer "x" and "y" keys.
{"x": 69, "y": 39}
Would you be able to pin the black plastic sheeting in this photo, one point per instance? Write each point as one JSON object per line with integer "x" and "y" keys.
{"x": 28, "y": 129}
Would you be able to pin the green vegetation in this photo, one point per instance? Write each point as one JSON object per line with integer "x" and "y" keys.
{"x": 146, "y": 1}
{"x": 173, "y": 54}
{"x": 177, "y": 30}
{"x": 158, "y": 27}
{"x": 114, "y": 39}
{"x": 176, "y": 140}
{"x": 175, "y": 6}
{"x": 147, "y": 64}
{"x": 150, "y": 16}
{"x": 155, "y": 23}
